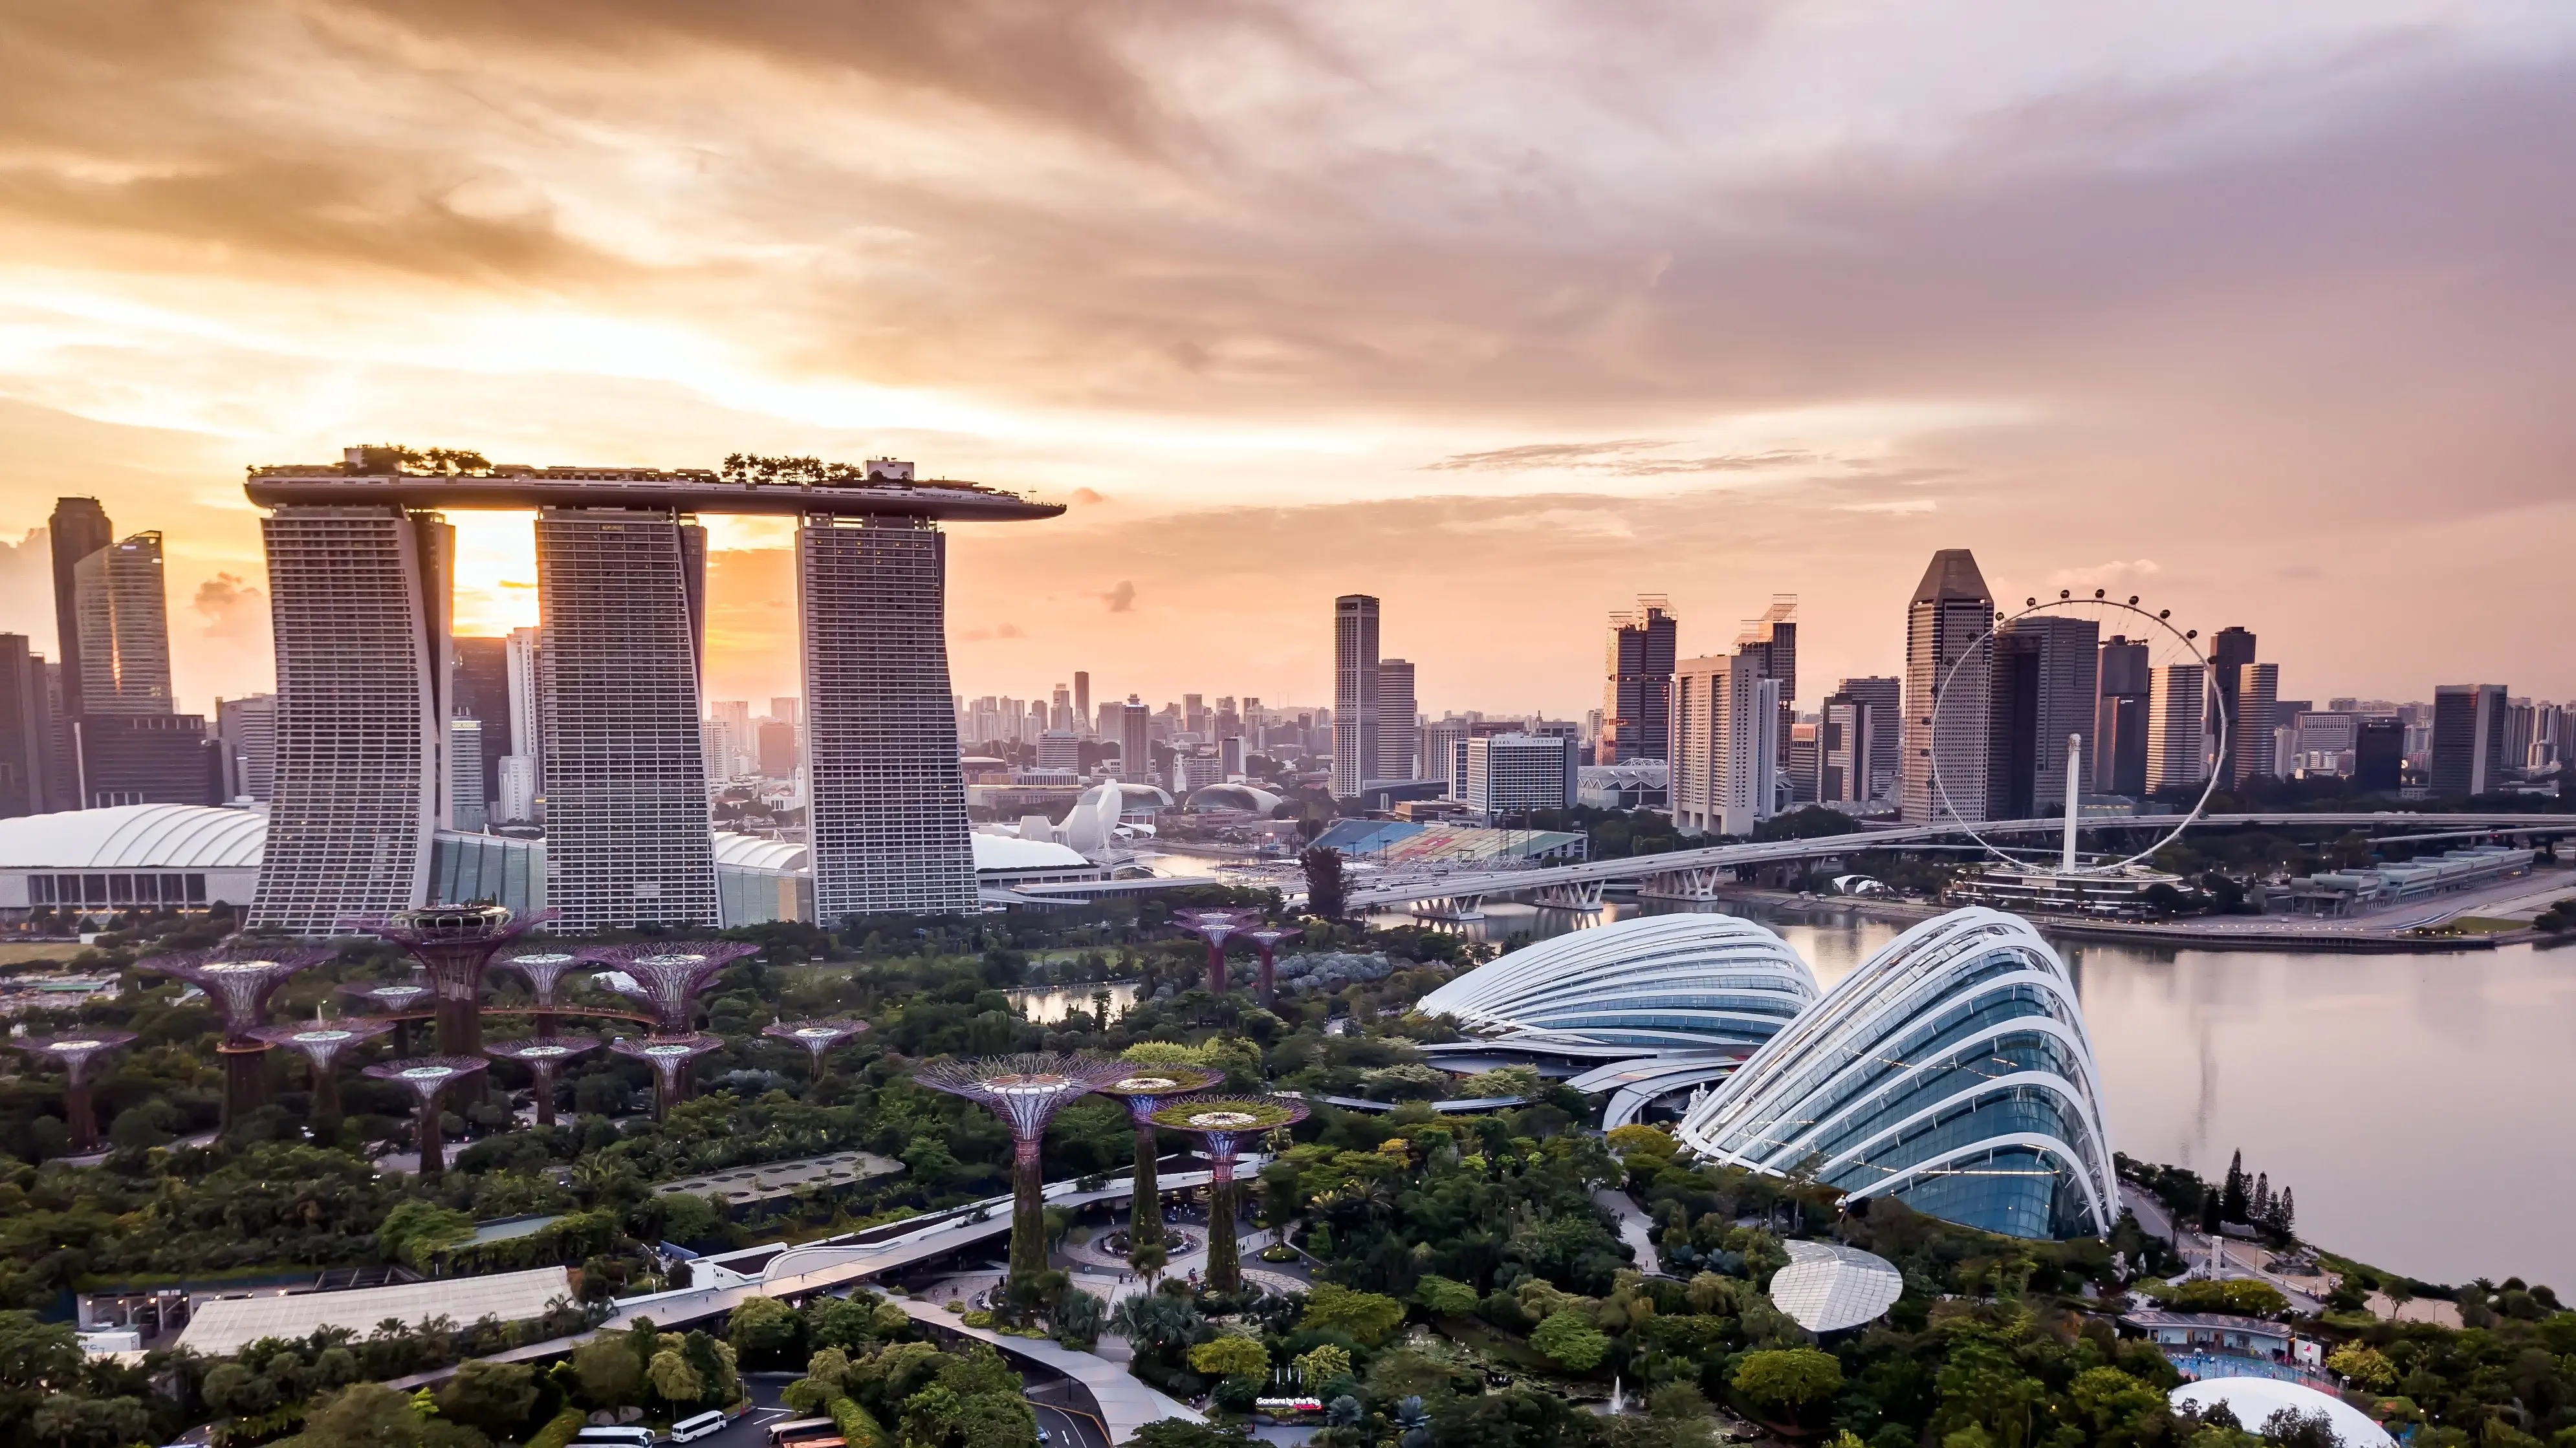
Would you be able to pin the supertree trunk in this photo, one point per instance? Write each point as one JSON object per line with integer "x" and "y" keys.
{"x": 84, "y": 1117}
{"x": 1216, "y": 967}
{"x": 1145, "y": 1213}
{"x": 326, "y": 1098}
{"x": 245, "y": 1082}
{"x": 433, "y": 1154}
{"x": 1028, "y": 1214}
{"x": 1225, "y": 1267}
{"x": 460, "y": 1026}
{"x": 544, "y": 1072}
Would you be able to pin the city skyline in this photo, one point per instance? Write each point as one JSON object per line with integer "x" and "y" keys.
{"x": 1593, "y": 304}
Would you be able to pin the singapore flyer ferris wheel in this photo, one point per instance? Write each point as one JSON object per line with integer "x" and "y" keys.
{"x": 2097, "y": 697}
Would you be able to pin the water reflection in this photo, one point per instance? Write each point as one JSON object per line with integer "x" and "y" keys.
{"x": 1046, "y": 1005}
{"x": 2416, "y": 1103}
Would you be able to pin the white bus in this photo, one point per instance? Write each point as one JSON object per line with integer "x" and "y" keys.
{"x": 689, "y": 1430}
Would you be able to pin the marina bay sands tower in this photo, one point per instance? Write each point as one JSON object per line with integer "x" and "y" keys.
{"x": 361, "y": 563}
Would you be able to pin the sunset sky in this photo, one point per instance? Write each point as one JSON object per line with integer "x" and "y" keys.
{"x": 1503, "y": 312}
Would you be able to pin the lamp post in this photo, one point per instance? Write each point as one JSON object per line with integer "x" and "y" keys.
{"x": 1267, "y": 940}
{"x": 819, "y": 1038}
{"x": 427, "y": 1077}
{"x": 1223, "y": 1121}
{"x": 667, "y": 975}
{"x": 1216, "y": 927}
{"x": 543, "y": 1056}
{"x": 240, "y": 989}
{"x": 76, "y": 1052}
{"x": 1026, "y": 1092}
{"x": 320, "y": 1043}
{"x": 669, "y": 1056}
{"x": 455, "y": 944}
{"x": 1150, "y": 1087}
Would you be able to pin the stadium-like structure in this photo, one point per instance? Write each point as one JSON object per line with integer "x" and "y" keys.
{"x": 1951, "y": 1071}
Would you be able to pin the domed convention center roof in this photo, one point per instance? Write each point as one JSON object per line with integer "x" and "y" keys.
{"x": 1244, "y": 798}
{"x": 1651, "y": 981}
{"x": 2255, "y": 1400}
{"x": 1950, "y": 1071}
{"x": 136, "y": 836}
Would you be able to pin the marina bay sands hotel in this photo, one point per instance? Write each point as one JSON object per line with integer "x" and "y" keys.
{"x": 361, "y": 563}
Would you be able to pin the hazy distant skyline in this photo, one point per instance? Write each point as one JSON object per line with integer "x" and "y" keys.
{"x": 1502, "y": 313}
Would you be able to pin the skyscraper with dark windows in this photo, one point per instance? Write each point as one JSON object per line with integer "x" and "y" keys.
{"x": 78, "y": 528}
{"x": 2231, "y": 649}
{"x": 2120, "y": 718}
{"x": 1355, "y": 716}
{"x": 1948, "y": 691}
{"x": 1637, "y": 695}
{"x": 886, "y": 802}
{"x": 128, "y": 742}
{"x": 628, "y": 831}
{"x": 2046, "y": 684}
{"x": 482, "y": 688}
{"x": 2468, "y": 739}
{"x": 26, "y": 731}
{"x": 1882, "y": 696}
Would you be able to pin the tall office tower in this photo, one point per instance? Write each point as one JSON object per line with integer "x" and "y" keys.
{"x": 26, "y": 730}
{"x": 1637, "y": 697}
{"x": 246, "y": 732}
{"x": 1399, "y": 723}
{"x": 2230, "y": 650}
{"x": 1805, "y": 763}
{"x": 1060, "y": 749}
{"x": 1060, "y": 713}
{"x": 124, "y": 629}
{"x": 1135, "y": 733}
{"x": 628, "y": 833}
{"x": 888, "y": 804}
{"x": 1355, "y": 664}
{"x": 777, "y": 749}
{"x": 78, "y": 528}
{"x": 1228, "y": 720}
{"x": 517, "y": 803}
{"x": 1514, "y": 774}
{"x": 1948, "y": 663}
{"x": 2251, "y": 746}
{"x": 1883, "y": 695}
{"x": 792, "y": 709}
{"x": 1082, "y": 700}
{"x": 2468, "y": 739}
{"x": 358, "y": 596}
{"x": 1441, "y": 741}
{"x": 2379, "y": 755}
{"x": 1106, "y": 723}
{"x": 482, "y": 685}
{"x": 2519, "y": 721}
{"x": 724, "y": 749}
{"x": 467, "y": 806}
{"x": 1726, "y": 745}
{"x": 2178, "y": 728}
{"x": 734, "y": 718}
{"x": 2120, "y": 718}
{"x": 1772, "y": 642}
{"x": 2046, "y": 686}
{"x": 1230, "y": 755}
{"x": 527, "y": 721}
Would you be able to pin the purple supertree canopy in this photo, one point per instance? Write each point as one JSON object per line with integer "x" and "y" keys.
{"x": 815, "y": 1036}
{"x": 428, "y": 1075}
{"x": 397, "y": 996}
{"x": 1269, "y": 937}
{"x": 543, "y": 970}
{"x": 240, "y": 985}
{"x": 1217, "y": 926}
{"x": 666, "y": 1054}
{"x": 78, "y": 1050}
{"x": 1147, "y": 1087}
{"x": 547, "y": 1051}
{"x": 320, "y": 1041}
{"x": 668, "y": 974}
{"x": 1025, "y": 1091}
{"x": 454, "y": 941}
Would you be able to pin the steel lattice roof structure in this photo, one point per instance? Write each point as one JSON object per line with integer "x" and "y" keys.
{"x": 1653, "y": 982}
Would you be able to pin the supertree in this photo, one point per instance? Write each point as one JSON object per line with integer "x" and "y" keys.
{"x": 1216, "y": 927}
{"x": 669, "y": 1056}
{"x": 1026, "y": 1092}
{"x": 428, "y": 1076}
{"x": 76, "y": 1052}
{"x": 543, "y": 1056}
{"x": 1150, "y": 1087}
{"x": 819, "y": 1038}
{"x": 321, "y": 1042}
{"x": 1267, "y": 940}
{"x": 1223, "y": 1121}
{"x": 240, "y": 987}
{"x": 396, "y": 998}
{"x": 544, "y": 971}
{"x": 668, "y": 975}
{"x": 455, "y": 944}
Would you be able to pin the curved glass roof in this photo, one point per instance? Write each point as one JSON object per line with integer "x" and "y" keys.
{"x": 1951, "y": 1071}
{"x": 1652, "y": 981}
{"x": 134, "y": 837}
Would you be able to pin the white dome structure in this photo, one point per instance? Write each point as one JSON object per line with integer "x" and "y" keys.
{"x": 1093, "y": 822}
{"x": 1652, "y": 982}
{"x": 1235, "y": 796}
{"x": 1950, "y": 1071}
{"x": 2255, "y": 1400}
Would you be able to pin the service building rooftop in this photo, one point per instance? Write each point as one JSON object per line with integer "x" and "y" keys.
{"x": 783, "y": 1178}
